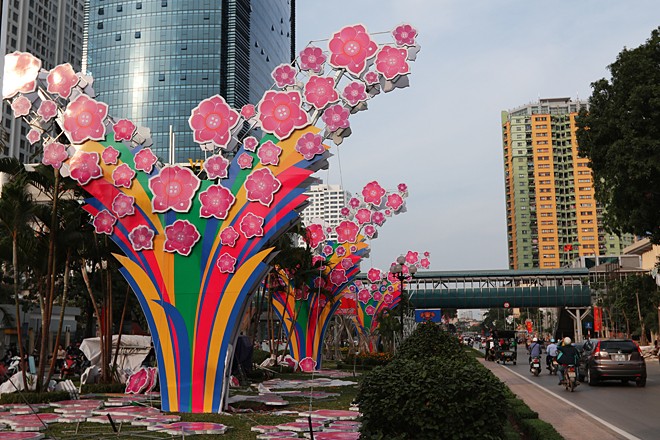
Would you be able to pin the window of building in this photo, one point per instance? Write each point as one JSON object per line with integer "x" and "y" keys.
{"x": 99, "y": 25}
{"x": 161, "y": 77}
{"x": 163, "y": 3}
{"x": 138, "y": 34}
{"x": 101, "y": 11}
{"x": 138, "y": 5}
{"x": 117, "y": 37}
{"x": 120, "y": 8}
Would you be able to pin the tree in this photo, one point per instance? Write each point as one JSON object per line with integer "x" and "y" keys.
{"x": 620, "y": 135}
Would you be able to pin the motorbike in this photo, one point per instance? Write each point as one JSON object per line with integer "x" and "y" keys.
{"x": 70, "y": 367}
{"x": 535, "y": 366}
{"x": 570, "y": 377}
{"x": 554, "y": 365}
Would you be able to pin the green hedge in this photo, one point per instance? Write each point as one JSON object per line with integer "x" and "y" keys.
{"x": 31, "y": 397}
{"x": 429, "y": 340}
{"x": 536, "y": 429}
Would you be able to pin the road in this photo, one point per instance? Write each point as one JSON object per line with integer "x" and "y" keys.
{"x": 631, "y": 411}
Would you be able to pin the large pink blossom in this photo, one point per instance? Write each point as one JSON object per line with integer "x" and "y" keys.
{"x": 346, "y": 263}
{"x": 20, "y": 74}
{"x": 340, "y": 251}
{"x": 370, "y": 310}
{"x": 212, "y": 120}
{"x": 336, "y": 117}
{"x": 245, "y": 161}
{"x": 312, "y": 58}
{"x": 47, "y": 110}
{"x": 374, "y": 275}
{"x": 226, "y": 263}
{"x": 54, "y": 154}
{"x": 250, "y": 143}
{"x": 123, "y": 176}
{"x": 412, "y": 257}
{"x": 84, "y": 119}
{"x": 394, "y": 201}
{"x": 173, "y": 188}
{"x": 104, "y": 222}
{"x": 388, "y": 298}
{"x": 280, "y": 113}
{"x": 425, "y": 263}
{"x": 61, "y": 80}
{"x": 124, "y": 130}
{"x": 338, "y": 276}
{"x": 307, "y": 364}
{"x": 309, "y": 145}
{"x": 261, "y": 185}
{"x": 320, "y": 91}
{"x": 110, "y": 155}
{"x": 84, "y": 167}
{"x": 141, "y": 237}
{"x": 123, "y": 205}
{"x": 350, "y": 48}
{"x": 284, "y": 75}
{"x": 363, "y": 215}
{"x": 378, "y": 296}
{"x": 314, "y": 235}
{"x": 252, "y": 225}
{"x": 228, "y": 236}
{"x": 145, "y": 159}
{"x": 391, "y": 61}
{"x": 354, "y": 93}
{"x": 269, "y": 154}
{"x": 216, "y": 166}
{"x": 364, "y": 296}
{"x": 180, "y": 237}
{"x": 404, "y": 35}
{"x": 33, "y": 136}
{"x": 346, "y": 231}
{"x": 216, "y": 202}
{"x": 373, "y": 193}
{"x": 370, "y": 231}
{"x": 21, "y": 106}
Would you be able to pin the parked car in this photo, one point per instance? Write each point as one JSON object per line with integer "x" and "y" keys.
{"x": 612, "y": 359}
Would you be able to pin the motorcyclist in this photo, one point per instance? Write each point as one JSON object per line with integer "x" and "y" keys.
{"x": 534, "y": 349}
{"x": 551, "y": 351}
{"x": 567, "y": 355}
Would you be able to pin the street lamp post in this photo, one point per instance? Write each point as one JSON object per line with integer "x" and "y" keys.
{"x": 396, "y": 269}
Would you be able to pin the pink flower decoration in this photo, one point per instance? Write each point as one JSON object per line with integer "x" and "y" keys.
{"x": 21, "y": 106}
{"x": 369, "y": 310}
{"x": 345, "y": 211}
{"x": 123, "y": 176}
{"x": 388, "y": 298}
{"x": 250, "y": 143}
{"x": 404, "y": 35}
{"x": 350, "y": 48}
{"x": 180, "y": 237}
{"x": 374, "y": 275}
{"x": 378, "y": 218}
{"x": 173, "y": 188}
{"x": 33, "y": 136}
{"x": 336, "y": 117}
{"x": 354, "y": 202}
{"x": 394, "y": 201}
{"x": 338, "y": 276}
{"x": 353, "y": 249}
{"x": 261, "y": 185}
{"x": 104, "y": 222}
{"x": 388, "y": 213}
{"x": 110, "y": 155}
{"x": 20, "y": 74}
{"x": 307, "y": 364}
{"x": 245, "y": 161}
{"x": 363, "y": 216}
{"x": 145, "y": 160}
{"x": 216, "y": 201}
{"x": 374, "y": 287}
{"x": 84, "y": 167}
{"x": 391, "y": 61}
{"x": 248, "y": 111}
{"x": 317, "y": 260}
{"x": 340, "y": 251}
{"x": 425, "y": 263}
{"x": 319, "y": 91}
{"x": 280, "y": 113}
{"x": 269, "y": 154}
{"x": 284, "y": 75}
{"x": 47, "y": 110}
{"x": 54, "y": 154}
{"x": 370, "y": 231}
{"x": 346, "y": 263}
{"x": 312, "y": 58}
{"x": 124, "y": 130}
{"x": 228, "y": 236}
{"x": 378, "y": 296}
{"x": 412, "y": 257}
{"x": 402, "y": 187}
{"x": 142, "y": 237}
{"x": 371, "y": 78}
{"x": 354, "y": 93}
{"x": 314, "y": 235}
{"x": 309, "y": 145}
{"x": 212, "y": 120}
{"x": 226, "y": 263}
{"x": 216, "y": 166}
{"x": 84, "y": 119}
{"x": 252, "y": 225}
{"x": 346, "y": 232}
{"x": 373, "y": 193}
{"x": 328, "y": 250}
{"x": 364, "y": 296}
{"x": 61, "y": 80}
{"x": 123, "y": 205}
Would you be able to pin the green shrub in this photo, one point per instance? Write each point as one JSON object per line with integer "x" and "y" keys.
{"x": 258, "y": 356}
{"x": 368, "y": 359}
{"x": 103, "y": 388}
{"x": 536, "y": 429}
{"x": 430, "y": 340}
{"x": 520, "y": 412}
{"x": 30, "y": 397}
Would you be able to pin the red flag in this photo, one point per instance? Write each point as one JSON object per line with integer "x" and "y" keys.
{"x": 568, "y": 247}
{"x": 598, "y": 319}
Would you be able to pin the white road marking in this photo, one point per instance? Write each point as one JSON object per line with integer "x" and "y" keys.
{"x": 593, "y": 416}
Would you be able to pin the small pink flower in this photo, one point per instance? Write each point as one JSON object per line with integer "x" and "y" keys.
{"x": 364, "y": 296}
{"x": 354, "y": 202}
{"x": 261, "y": 185}
{"x": 371, "y": 78}
{"x": 110, "y": 155}
{"x": 340, "y": 251}
{"x": 141, "y": 237}
{"x": 226, "y": 263}
{"x": 180, "y": 237}
{"x": 318, "y": 260}
{"x": 346, "y": 232}
{"x": 402, "y": 187}
{"x": 374, "y": 287}
{"x": 378, "y": 296}
{"x": 374, "y": 275}
{"x": 338, "y": 276}
{"x": 269, "y": 154}
{"x": 173, "y": 188}
{"x": 404, "y": 35}
{"x": 363, "y": 216}
{"x": 216, "y": 166}
{"x": 228, "y": 236}
{"x": 84, "y": 119}
{"x": 216, "y": 202}
{"x": 370, "y": 231}
{"x": 280, "y": 113}
{"x": 124, "y": 130}
{"x": 388, "y": 298}
{"x": 319, "y": 283}
{"x": 307, "y": 364}
{"x": 61, "y": 80}
{"x": 309, "y": 145}
{"x": 388, "y": 213}
{"x": 412, "y": 257}
{"x": 47, "y": 110}
{"x": 21, "y": 106}
{"x": 354, "y": 93}
{"x": 353, "y": 249}
{"x": 350, "y": 48}
{"x": 391, "y": 61}
{"x": 33, "y": 136}
{"x": 145, "y": 160}
{"x": 312, "y": 58}
{"x": 212, "y": 120}
{"x": 394, "y": 201}
{"x": 20, "y": 74}
{"x": 245, "y": 161}
{"x": 314, "y": 235}
{"x": 425, "y": 263}
{"x": 345, "y": 212}
{"x": 320, "y": 91}
{"x": 104, "y": 222}
{"x": 248, "y": 111}
{"x": 346, "y": 263}
{"x": 123, "y": 205}
{"x": 378, "y": 218}
{"x": 369, "y": 310}
{"x": 373, "y": 193}
{"x": 250, "y": 143}
{"x": 284, "y": 75}
{"x": 123, "y": 176}
{"x": 54, "y": 154}
{"x": 336, "y": 117}
{"x": 328, "y": 250}
{"x": 252, "y": 225}
{"x": 84, "y": 167}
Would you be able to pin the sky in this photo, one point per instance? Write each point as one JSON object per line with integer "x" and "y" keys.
{"x": 442, "y": 135}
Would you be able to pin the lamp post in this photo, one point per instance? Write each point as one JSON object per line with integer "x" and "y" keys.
{"x": 396, "y": 269}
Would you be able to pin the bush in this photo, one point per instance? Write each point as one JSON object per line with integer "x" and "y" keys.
{"x": 429, "y": 340}
{"x": 537, "y": 429}
{"x": 368, "y": 359}
{"x": 258, "y": 356}
{"x": 29, "y": 397}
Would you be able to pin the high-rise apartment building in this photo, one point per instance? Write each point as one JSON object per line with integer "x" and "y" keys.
{"x": 153, "y": 61}
{"x": 552, "y": 215}
{"x": 325, "y": 204}
{"x": 51, "y": 30}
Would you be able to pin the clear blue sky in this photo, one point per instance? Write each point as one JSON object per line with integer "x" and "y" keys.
{"x": 441, "y": 136}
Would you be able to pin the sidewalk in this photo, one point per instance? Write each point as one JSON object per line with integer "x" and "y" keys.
{"x": 569, "y": 422}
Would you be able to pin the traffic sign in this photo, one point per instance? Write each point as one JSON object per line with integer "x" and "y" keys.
{"x": 589, "y": 325}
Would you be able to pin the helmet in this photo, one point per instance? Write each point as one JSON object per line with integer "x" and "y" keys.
{"x": 552, "y": 340}
{"x": 535, "y": 340}
{"x": 567, "y": 341}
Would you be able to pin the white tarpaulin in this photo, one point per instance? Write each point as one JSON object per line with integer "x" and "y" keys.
{"x": 133, "y": 349}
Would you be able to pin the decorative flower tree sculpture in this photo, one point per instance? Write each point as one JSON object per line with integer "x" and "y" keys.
{"x": 196, "y": 248}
